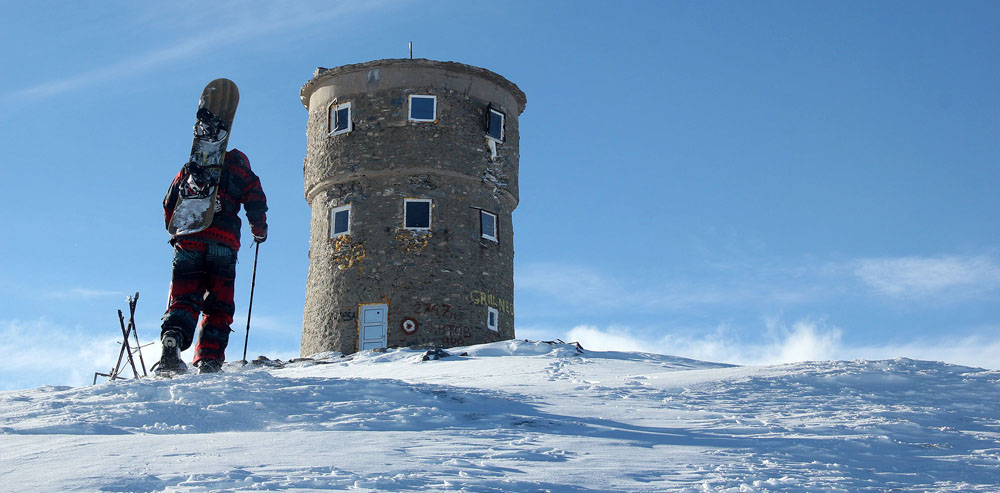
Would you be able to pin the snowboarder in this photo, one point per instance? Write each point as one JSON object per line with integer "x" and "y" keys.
{"x": 204, "y": 268}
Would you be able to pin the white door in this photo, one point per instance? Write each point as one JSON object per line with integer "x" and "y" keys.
{"x": 374, "y": 326}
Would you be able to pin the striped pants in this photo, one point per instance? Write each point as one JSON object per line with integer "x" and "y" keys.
{"x": 202, "y": 284}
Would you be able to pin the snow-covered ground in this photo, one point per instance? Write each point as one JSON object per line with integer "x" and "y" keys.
{"x": 513, "y": 416}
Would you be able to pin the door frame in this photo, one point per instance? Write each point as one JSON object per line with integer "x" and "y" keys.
{"x": 361, "y": 322}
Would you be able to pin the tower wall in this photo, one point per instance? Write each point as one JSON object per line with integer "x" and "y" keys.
{"x": 439, "y": 285}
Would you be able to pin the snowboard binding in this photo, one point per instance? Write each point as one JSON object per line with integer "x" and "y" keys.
{"x": 197, "y": 180}
{"x": 210, "y": 127}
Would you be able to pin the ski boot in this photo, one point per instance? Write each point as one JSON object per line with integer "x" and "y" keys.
{"x": 170, "y": 359}
{"x": 208, "y": 365}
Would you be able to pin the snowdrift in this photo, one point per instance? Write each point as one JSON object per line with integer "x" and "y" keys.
{"x": 513, "y": 416}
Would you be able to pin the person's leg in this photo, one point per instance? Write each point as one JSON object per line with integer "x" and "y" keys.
{"x": 218, "y": 307}
{"x": 187, "y": 291}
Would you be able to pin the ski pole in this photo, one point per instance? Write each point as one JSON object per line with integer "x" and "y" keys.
{"x": 121, "y": 352}
{"x": 253, "y": 283}
{"x": 125, "y": 346}
{"x": 135, "y": 331}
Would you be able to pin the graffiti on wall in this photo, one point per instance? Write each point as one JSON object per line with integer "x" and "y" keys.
{"x": 348, "y": 314}
{"x": 411, "y": 242}
{"x": 481, "y": 298}
{"x": 452, "y": 334}
{"x": 346, "y": 252}
{"x": 443, "y": 310}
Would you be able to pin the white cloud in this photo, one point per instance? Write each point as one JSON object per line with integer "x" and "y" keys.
{"x": 43, "y": 352}
{"x": 121, "y": 68}
{"x": 804, "y": 340}
{"x": 921, "y": 277}
{"x": 611, "y": 339}
{"x": 974, "y": 350}
{"x": 569, "y": 283}
{"x": 245, "y": 22}
{"x": 586, "y": 287}
{"x": 37, "y": 352}
{"x": 264, "y": 323}
{"x": 84, "y": 293}
{"x": 767, "y": 283}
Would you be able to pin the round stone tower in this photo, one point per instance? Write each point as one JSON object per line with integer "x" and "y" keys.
{"x": 411, "y": 174}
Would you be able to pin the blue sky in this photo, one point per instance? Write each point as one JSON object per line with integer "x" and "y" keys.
{"x": 750, "y": 182}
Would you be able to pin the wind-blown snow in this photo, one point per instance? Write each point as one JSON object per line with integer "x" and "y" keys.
{"x": 513, "y": 416}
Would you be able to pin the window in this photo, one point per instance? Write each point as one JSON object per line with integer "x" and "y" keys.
{"x": 340, "y": 221}
{"x": 494, "y": 124}
{"x": 340, "y": 119}
{"x": 423, "y": 108}
{"x": 488, "y": 225}
{"x": 492, "y": 319}
{"x": 417, "y": 214}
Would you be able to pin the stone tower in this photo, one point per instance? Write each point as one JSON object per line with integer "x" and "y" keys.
{"x": 411, "y": 174}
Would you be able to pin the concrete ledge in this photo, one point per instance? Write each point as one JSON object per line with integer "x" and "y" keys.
{"x": 397, "y": 172}
{"x": 323, "y": 76}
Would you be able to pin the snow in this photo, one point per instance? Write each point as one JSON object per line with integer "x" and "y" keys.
{"x": 514, "y": 416}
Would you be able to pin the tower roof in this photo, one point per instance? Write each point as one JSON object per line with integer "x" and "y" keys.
{"x": 323, "y": 74}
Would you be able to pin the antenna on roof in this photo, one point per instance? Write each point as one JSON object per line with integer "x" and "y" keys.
{"x": 411, "y": 50}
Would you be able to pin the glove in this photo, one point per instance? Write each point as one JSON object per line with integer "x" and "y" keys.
{"x": 259, "y": 234}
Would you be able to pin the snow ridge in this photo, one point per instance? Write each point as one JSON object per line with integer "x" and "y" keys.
{"x": 514, "y": 416}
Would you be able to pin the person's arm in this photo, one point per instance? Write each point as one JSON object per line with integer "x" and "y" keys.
{"x": 254, "y": 200}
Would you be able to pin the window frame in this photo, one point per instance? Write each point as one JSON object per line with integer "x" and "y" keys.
{"x": 333, "y": 220}
{"x": 335, "y": 107}
{"x": 490, "y": 110}
{"x": 495, "y": 315}
{"x": 496, "y": 226}
{"x": 409, "y": 109}
{"x": 430, "y": 214}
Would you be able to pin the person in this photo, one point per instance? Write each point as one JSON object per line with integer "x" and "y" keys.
{"x": 204, "y": 269}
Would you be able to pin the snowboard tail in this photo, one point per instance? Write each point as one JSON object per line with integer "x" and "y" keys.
{"x": 196, "y": 201}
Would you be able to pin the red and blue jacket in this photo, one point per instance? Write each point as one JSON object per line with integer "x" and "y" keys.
{"x": 238, "y": 185}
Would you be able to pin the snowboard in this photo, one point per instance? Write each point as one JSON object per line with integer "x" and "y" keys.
{"x": 196, "y": 199}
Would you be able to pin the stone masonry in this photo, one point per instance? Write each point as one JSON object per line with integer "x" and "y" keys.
{"x": 439, "y": 285}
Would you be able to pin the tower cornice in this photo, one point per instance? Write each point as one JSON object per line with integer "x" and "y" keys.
{"x": 322, "y": 75}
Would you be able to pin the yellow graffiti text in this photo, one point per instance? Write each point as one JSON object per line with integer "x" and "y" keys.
{"x": 481, "y": 298}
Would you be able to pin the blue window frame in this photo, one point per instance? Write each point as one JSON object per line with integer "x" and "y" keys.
{"x": 488, "y": 225}
{"x": 494, "y": 124}
{"x": 493, "y": 319}
{"x": 423, "y": 108}
{"x": 417, "y": 214}
{"x": 340, "y": 221}
{"x": 340, "y": 119}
